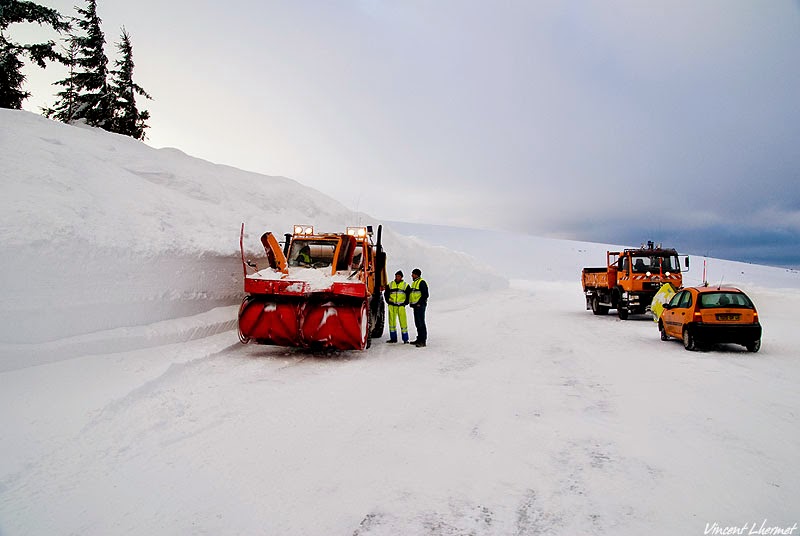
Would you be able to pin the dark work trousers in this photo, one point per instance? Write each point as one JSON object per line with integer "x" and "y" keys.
{"x": 419, "y": 322}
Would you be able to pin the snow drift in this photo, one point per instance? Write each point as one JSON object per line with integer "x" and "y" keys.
{"x": 100, "y": 231}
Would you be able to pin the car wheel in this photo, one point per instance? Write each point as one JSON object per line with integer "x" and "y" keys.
{"x": 688, "y": 341}
{"x": 754, "y": 346}
{"x": 622, "y": 312}
{"x": 664, "y": 336}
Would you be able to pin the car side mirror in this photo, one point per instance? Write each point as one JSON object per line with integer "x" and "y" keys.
{"x": 667, "y": 306}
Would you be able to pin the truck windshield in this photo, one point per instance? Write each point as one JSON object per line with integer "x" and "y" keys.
{"x": 316, "y": 253}
{"x": 655, "y": 263}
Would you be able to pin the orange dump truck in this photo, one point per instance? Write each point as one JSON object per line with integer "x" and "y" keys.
{"x": 630, "y": 279}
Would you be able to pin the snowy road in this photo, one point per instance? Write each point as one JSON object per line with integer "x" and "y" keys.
{"x": 526, "y": 414}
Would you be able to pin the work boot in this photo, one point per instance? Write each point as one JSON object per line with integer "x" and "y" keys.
{"x": 420, "y": 344}
{"x": 391, "y": 340}
{"x": 405, "y": 342}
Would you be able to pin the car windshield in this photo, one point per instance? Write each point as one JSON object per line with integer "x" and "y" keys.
{"x": 725, "y": 299}
{"x": 655, "y": 263}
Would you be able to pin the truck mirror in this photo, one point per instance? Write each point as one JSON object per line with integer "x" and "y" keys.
{"x": 687, "y": 262}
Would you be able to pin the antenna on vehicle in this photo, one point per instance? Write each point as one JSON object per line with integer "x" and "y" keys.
{"x": 705, "y": 281}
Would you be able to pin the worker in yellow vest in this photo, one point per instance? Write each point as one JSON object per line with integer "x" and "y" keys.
{"x": 397, "y": 294}
{"x": 419, "y": 302}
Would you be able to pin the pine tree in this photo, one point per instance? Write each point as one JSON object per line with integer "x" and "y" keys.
{"x": 11, "y": 77}
{"x": 66, "y": 105}
{"x": 128, "y": 120}
{"x": 94, "y": 98}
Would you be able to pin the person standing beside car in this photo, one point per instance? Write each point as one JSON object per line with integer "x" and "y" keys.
{"x": 419, "y": 302}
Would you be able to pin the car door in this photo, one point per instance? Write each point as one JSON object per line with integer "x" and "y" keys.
{"x": 679, "y": 310}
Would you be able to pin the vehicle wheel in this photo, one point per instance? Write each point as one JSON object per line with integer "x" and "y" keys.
{"x": 754, "y": 346}
{"x": 380, "y": 319}
{"x": 688, "y": 341}
{"x": 597, "y": 308}
{"x": 242, "y": 337}
{"x": 664, "y": 336}
{"x": 622, "y": 312}
{"x": 365, "y": 312}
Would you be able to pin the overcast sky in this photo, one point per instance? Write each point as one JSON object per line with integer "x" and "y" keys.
{"x": 611, "y": 121}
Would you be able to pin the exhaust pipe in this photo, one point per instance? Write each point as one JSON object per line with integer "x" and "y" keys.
{"x": 287, "y": 238}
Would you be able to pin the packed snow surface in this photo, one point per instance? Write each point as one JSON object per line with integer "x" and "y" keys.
{"x": 130, "y": 407}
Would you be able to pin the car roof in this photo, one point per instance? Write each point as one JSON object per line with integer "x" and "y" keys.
{"x": 704, "y": 289}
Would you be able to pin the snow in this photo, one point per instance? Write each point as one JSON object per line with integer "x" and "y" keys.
{"x": 130, "y": 407}
{"x": 312, "y": 279}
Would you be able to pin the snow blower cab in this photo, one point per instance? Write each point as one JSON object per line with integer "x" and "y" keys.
{"x": 319, "y": 291}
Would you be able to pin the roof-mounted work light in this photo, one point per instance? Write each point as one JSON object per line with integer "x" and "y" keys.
{"x": 358, "y": 232}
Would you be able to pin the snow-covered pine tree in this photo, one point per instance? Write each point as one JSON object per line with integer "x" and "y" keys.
{"x": 95, "y": 101}
{"x": 128, "y": 120}
{"x": 11, "y": 77}
{"x": 66, "y": 105}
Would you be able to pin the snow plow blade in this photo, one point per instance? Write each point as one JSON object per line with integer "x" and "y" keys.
{"x": 664, "y": 295}
{"x": 318, "y": 322}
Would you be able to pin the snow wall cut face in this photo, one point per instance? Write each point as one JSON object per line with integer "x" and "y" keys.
{"x": 67, "y": 292}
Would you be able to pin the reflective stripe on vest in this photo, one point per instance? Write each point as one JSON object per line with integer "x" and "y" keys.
{"x": 397, "y": 292}
{"x": 416, "y": 293}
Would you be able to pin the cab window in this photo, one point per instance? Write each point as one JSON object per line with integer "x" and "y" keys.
{"x": 670, "y": 264}
{"x": 308, "y": 252}
{"x": 358, "y": 258}
{"x": 641, "y": 264}
{"x": 656, "y": 263}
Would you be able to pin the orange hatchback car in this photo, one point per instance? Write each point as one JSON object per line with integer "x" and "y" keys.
{"x": 707, "y": 315}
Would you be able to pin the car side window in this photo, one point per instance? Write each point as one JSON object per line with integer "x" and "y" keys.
{"x": 686, "y": 299}
{"x": 676, "y": 299}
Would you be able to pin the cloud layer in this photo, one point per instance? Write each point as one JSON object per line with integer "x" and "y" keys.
{"x": 593, "y": 120}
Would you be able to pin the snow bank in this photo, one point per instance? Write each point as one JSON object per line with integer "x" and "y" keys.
{"x": 100, "y": 232}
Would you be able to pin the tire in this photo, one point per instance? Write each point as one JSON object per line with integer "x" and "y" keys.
{"x": 688, "y": 341}
{"x": 664, "y": 336}
{"x": 597, "y": 308}
{"x": 380, "y": 319}
{"x": 368, "y": 342}
{"x": 245, "y": 302}
{"x": 754, "y": 346}
{"x": 622, "y": 312}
